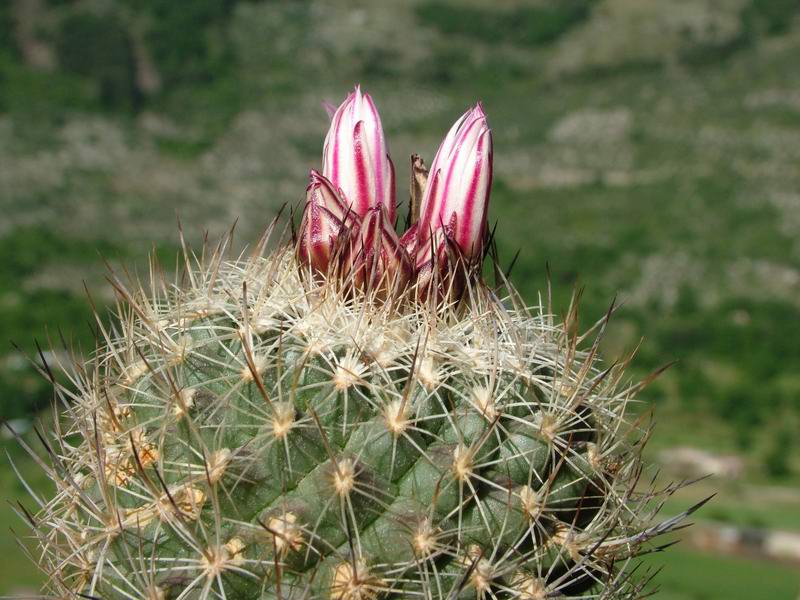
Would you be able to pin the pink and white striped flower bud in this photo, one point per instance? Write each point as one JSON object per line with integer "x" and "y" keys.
{"x": 326, "y": 219}
{"x": 356, "y": 157}
{"x": 439, "y": 264}
{"x": 375, "y": 260}
{"x": 456, "y": 198}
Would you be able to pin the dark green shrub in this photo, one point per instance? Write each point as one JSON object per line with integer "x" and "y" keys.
{"x": 777, "y": 459}
{"x": 98, "y": 47}
{"x": 526, "y": 25}
{"x": 773, "y": 16}
{"x": 188, "y": 39}
{"x": 7, "y": 25}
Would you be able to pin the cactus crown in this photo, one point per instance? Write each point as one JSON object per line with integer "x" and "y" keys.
{"x": 253, "y": 430}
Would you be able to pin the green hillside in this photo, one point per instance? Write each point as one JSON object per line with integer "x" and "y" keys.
{"x": 644, "y": 150}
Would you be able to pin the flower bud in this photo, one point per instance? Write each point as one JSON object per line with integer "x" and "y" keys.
{"x": 375, "y": 258}
{"x": 326, "y": 219}
{"x": 457, "y": 194}
{"x": 439, "y": 263}
{"x": 356, "y": 158}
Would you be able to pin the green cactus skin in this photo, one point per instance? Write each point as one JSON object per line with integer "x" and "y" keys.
{"x": 250, "y": 435}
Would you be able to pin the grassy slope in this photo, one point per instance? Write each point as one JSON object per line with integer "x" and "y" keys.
{"x": 688, "y": 575}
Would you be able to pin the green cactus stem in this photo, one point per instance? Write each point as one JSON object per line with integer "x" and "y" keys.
{"x": 247, "y": 433}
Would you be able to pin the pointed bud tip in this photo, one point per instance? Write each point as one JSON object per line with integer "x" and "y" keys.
{"x": 330, "y": 108}
{"x": 355, "y": 96}
{"x": 478, "y": 114}
{"x": 315, "y": 179}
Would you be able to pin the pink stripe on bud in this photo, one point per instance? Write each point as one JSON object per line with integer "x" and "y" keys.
{"x": 460, "y": 183}
{"x": 376, "y": 259}
{"x": 325, "y": 220}
{"x": 356, "y": 157}
{"x": 440, "y": 265}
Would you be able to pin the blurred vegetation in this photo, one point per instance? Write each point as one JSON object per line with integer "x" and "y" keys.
{"x": 7, "y": 28}
{"x": 188, "y": 41}
{"x": 644, "y": 150}
{"x": 524, "y": 25}
{"x": 777, "y": 460}
{"x": 774, "y": 16}
{"x": 108, "y": 61}
{"x": 688, "y": 575}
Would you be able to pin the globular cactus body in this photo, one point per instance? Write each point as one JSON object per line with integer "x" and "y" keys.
{"x": 254, "y": 431}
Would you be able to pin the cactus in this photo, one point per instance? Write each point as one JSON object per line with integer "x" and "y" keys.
{"x": 353, "y": 417}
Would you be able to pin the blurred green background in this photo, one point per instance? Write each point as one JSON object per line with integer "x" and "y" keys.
{"x": 648, "y": 149}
